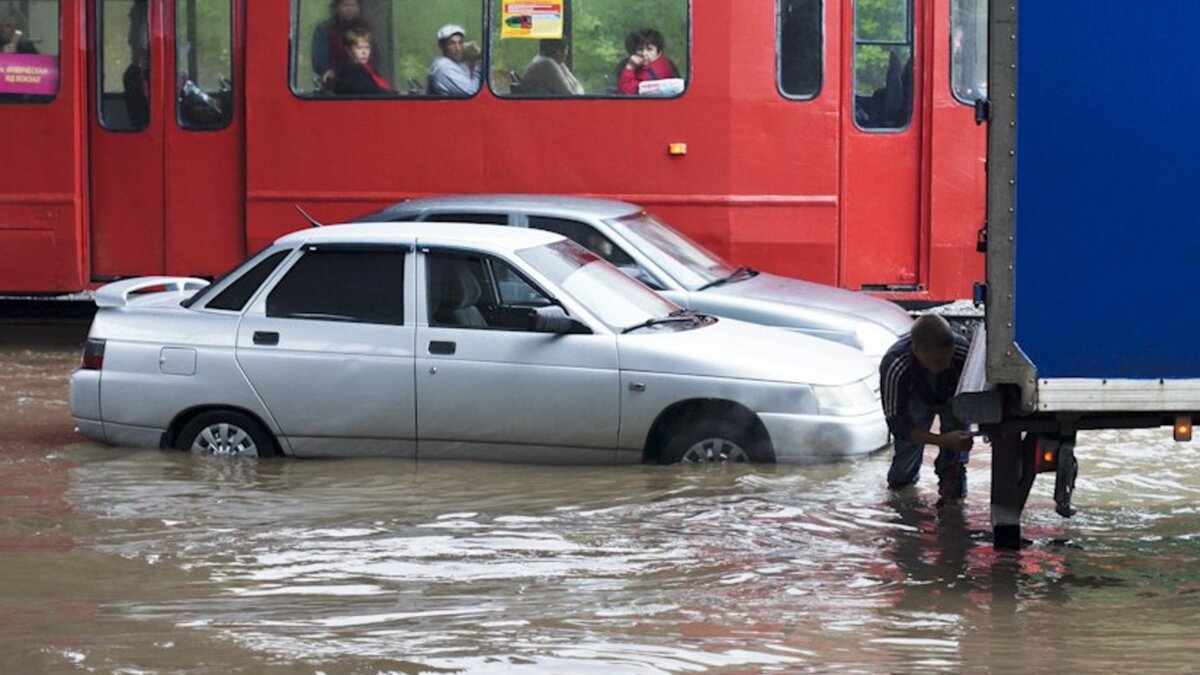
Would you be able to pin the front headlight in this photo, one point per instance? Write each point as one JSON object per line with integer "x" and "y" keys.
{"x": 855, "y": 398}
{"x": 874, "y": 339}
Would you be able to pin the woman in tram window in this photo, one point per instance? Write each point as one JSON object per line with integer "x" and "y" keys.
{"x": 328, "y": 49}
{"x": 356, "y": 77}
{"x": 12, "y": 36}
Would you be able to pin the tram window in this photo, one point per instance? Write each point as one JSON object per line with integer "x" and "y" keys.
{"x": 29, "y": 47}
{"x": 204, "y": 63}
{"x": 883, "y": 63}
{"x": 403, "y": 40}
{"x": 123, "y": 36}
{"x": 800, "y": 46}
{"x": 588, "y": 51}
{"x": 968, "y": 50}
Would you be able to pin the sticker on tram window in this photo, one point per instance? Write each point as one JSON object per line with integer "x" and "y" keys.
{"x": 531, "y": 20}
{"x": 29, "y": 46}
{"x": 30, "y": 74}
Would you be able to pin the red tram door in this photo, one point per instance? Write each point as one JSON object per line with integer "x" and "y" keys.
{"x": 881, "y": 162}
{"x": 41, "y": 193}
{"x": 165, "y": 130}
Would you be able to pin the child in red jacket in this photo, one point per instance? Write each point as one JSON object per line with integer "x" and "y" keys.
{"x": 646, "y": 61}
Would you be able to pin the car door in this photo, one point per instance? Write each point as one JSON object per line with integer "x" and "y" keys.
{"x": 491, "y": 388}
{"x": 329, "y": 349}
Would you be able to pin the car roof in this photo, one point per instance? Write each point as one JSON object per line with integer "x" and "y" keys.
{"x": 577, "y": 206}
{"x": 497, "y": 236}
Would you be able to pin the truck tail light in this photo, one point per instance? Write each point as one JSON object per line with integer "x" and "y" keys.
{"x": 93, "y": 354}
{"x": 1183, "y": 428}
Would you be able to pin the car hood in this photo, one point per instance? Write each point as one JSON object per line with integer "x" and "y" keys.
{"x": 740, "y": 350}
{"x": 806, "y": 294}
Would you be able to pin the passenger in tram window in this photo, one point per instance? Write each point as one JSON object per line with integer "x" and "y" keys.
{"x": 459, "y": 70}
{"x": 647, "y": 61}
{"x": 12, "y": 35}
{"x": 547, "y": 74}
{"x": 357, "y": 77}
{"x": 328, "y": 50}
{"x": 136, "y": 79}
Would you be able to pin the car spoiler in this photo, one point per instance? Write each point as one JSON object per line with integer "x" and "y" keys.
{"x": 117, "y": 293}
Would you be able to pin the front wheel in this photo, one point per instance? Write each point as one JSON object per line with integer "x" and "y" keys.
{"x": 225, "y": 432}
{"x": 715, "y": 442}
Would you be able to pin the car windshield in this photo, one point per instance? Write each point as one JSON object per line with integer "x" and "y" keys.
{"x": 692, "y": 265}
{"x": 615, "y": 299}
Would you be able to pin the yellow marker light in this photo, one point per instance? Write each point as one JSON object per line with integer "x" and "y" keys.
{"x": 1183, "y": 428}
{"x": 677, "y": 149}
{"x": 1048, "y": 457}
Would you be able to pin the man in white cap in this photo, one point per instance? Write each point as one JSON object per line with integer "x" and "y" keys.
{"x": 453, "y": 73}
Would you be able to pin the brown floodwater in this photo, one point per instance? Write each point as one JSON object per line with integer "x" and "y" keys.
{"x": 116, "y": 560}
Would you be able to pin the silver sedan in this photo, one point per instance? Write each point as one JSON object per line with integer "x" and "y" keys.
{"x": 457, "y": 341}
{"x": 680, "y": 269}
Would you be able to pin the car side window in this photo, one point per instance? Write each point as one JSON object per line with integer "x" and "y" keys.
{"x": 456, "y": 217}
{"x": 471, "y": 291}
{"x": 235, "y": 296}
{"x": 346, "y": 284}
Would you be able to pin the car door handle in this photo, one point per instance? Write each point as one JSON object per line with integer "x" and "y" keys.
{"x": 443, "y": 348}
{"x": 266, "y": 338}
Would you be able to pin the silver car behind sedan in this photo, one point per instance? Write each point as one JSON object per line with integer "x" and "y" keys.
{"x": 457, "y": 341}
{"x": 680, "y": 269}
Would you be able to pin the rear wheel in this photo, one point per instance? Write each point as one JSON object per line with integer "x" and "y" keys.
{"x": 225, "y": 432}
{"x": 715, "y": 442}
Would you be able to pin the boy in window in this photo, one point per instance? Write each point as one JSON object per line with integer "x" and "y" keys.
{"x": 356, "y": 76}
{"x": 647, "y": 61}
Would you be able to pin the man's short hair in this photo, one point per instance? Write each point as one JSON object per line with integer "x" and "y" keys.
{"x": 644, "y": 36}
{"x": 932, "y": 332}
{"x": 353, "y": 36}
{"x": 552, "y": 47}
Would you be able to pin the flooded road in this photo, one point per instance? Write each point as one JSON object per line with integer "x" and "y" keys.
{"x": 140, "y": 561}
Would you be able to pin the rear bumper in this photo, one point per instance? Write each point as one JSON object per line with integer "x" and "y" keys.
{"x": 822, "y": 438}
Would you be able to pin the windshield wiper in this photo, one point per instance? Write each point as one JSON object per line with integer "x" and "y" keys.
{"x": 677, "y": 315}
{"x": 739, "y": 273}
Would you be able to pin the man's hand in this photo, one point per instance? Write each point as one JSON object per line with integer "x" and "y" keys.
{"x": 956, "y": 440}
{"x": 635, "y": 61}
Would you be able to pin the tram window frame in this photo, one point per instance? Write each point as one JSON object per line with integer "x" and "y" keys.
{"x": 201, "y": 96}
{"x": 300, "y": 42}
{"x": 978, "y": 46}
{"x": 102, "y": 57}
{"x": 12, "y": 98}
{"x": 779, "y": 51}
{"x": 682, "y": 72}
{"x": 909, "y": 42}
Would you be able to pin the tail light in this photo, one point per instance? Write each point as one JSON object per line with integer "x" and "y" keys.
{"x": 93, "y": 354}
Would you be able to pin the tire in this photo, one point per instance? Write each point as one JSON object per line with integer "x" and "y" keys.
{"x": 715, "y": 441}
{"x": 225, "y": 432}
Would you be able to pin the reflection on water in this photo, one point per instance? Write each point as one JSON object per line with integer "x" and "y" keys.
{"x": 116, "y": 560}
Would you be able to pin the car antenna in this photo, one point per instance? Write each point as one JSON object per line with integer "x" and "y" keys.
{"x": 311, "y": 221}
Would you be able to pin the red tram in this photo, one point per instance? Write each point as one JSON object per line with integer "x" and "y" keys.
{"x": 833, "y": 140}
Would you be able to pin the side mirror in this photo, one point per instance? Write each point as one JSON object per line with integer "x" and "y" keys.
{"x": 554, "y": 319}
